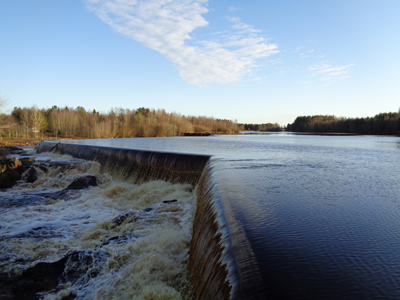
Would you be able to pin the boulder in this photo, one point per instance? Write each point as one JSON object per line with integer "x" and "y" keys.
{"x": 9, "y": 164}
{"x": 31, "y": 175}
{"x": 45, "y": 277}
{"x": 11, "y": 170}
{"x": 39, "y": 278}
{"x": 82, "y": 182}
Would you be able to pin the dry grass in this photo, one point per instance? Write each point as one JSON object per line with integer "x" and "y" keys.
{"x": 29, "y": 141}
{"x": 5, "y": 142}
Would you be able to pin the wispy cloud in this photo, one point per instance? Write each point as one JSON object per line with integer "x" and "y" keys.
{"x": 165, "y": 26}
{"x": 234, "y": 8}
{"x": 330, "y": 73}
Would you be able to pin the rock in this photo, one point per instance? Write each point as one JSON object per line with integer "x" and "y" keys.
{"x": 14, "y": 163}
{"x": 121, "y": 218}
{"x": 4, "y": 151}
{"x": 39, "y": 278}
{"x": 83, "y": 182}
{"x": 12, "y": 169}
{"x": 83, "y": 265}
{"x": 44, "y": 277}
{"x": 121, "y": 239}
{"x": 27, "y": 160}
{"x": 10, "y": 177}
{"x": 12, "y": 148}
{"x": 9, "y": 201}
{"x": 169, "y": 201}
{"x": 10, "y": 164}
{"x": 31, "y": 175}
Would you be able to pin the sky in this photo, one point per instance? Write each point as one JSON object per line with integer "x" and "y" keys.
{"x": 254, "y": 61}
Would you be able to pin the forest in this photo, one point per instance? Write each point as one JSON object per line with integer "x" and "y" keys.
{"x": 68, "y": 122}
{"x": 261, "y": 127}
{"x": 383, "y": 123}
{"x": 78, "y": 123}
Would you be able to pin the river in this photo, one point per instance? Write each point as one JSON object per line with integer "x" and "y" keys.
{"x": 309, "y": 216}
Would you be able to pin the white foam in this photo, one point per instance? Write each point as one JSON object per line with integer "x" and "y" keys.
{"x": 147, "y": 251}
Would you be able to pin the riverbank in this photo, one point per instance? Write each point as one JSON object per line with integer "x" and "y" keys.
{"x": 30, "y": 141}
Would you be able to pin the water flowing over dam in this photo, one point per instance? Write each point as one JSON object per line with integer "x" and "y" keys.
{"x": 136, "y": 165}
{"x": 211, "y": 264}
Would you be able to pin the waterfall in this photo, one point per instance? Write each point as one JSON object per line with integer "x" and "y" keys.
{"x": 210, "y": 260}
{"x": 136, "y": 166}
{"x": 211, "y": 263}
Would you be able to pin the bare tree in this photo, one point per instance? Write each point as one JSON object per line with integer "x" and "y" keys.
{"x": 37, "y": 120}
{"x": 3, "y": 117}
{"x": 26, "y": 119}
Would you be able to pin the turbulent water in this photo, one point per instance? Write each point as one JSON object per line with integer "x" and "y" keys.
{"x": 120, "y": 240}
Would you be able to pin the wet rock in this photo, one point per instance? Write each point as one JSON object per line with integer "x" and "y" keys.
{"x": 27, "y": 160}
{"x": 11, "y": 170}
{"x": 9, "y": 178}
{"x": 83, "y": 182}
{"x": 9, "y": 164}
{"x": 12, "y": 149}
{"x": 47, "y": 277}
{"x": 120, "y": 239}
{"x": 44, "y": 168}
{"x": 81, "y": 266}
{"x": 169, "y": 201}
{"x": 4, "y": 151}
{"x": 121, "y": 218}
{"x": 41, "y": 277}
{"x": 20, "y": 200}
{"x": 31, "y": 175}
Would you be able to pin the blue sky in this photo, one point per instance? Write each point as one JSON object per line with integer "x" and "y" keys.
{"x": 254, "y": 61}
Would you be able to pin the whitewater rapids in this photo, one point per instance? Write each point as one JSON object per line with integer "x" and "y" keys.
{"x": 124, "y": 241}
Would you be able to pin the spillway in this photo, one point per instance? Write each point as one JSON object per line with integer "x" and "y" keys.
{"x": 211, "y": 263}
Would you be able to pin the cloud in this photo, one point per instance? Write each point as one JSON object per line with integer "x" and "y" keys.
{"x": 330, "y": 73}
{"x": 234, "y": 8}
{"x": 166, "y": 25}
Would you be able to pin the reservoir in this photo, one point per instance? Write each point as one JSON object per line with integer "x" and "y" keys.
{"x": 303, "y": 216}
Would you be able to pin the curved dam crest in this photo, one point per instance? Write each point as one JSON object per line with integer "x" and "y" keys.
{"x": 211, "y": 262}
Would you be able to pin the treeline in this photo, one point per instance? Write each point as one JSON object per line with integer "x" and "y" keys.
{"x": 261, "y": 127}
{"x": 383, "y": 123}
{"x": 79, "y": 123}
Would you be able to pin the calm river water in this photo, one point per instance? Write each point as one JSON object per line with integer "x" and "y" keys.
{"x": 310, "y": 216}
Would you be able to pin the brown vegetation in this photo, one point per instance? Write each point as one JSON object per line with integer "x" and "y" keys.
{"x": 30, "y": 125}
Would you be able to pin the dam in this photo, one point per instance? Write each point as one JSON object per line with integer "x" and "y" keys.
{"x": 277, "y": 216}
{"x": 208, "y": 255}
